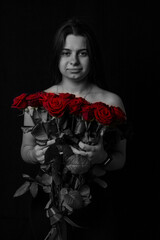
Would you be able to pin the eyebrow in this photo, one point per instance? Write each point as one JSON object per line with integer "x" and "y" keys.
{"x": 81, "y": 49}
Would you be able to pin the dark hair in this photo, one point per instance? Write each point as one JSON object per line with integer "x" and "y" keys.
{"x": 77, "y": 27}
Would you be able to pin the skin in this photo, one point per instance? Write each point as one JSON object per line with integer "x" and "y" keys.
{"x": 74, "y": 66}
{"x": 74, "y": 60}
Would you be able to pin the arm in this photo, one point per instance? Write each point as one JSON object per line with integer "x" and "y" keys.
{"x": 30, "y": 152}
{"x": 118, "y": 156}
{"x": 28, "y": 142}
{"x": 97, "y": 154}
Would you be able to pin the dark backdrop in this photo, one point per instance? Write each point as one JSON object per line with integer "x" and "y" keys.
{"x": 128, "y": 36}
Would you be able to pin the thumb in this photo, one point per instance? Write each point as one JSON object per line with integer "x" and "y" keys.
{"x": 100, "y": 140}
{"x": 102, "y": 131}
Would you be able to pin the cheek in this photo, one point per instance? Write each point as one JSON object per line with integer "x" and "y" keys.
{"x": 62, "y": 65}
{"x": 87, "y": 64}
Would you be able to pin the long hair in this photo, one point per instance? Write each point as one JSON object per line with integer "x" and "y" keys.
{"x": 76, "y": 27}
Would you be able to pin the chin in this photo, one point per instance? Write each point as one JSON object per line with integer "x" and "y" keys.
{"x": 78, "y": 77}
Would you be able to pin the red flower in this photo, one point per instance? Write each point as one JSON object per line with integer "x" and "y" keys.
{"x": 36, "y": 99}
{"x": 66, "y": 95}
{"x": 88, "y": 112}
{"x": 102, "y": 113}
{"x": 76, "y": 104}
{"x": 118, "y": 114}
{"x": 55, "y": 105}
{"x": 20, "y": 102}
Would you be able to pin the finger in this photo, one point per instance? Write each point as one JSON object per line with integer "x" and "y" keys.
{"x": 42, "y": 161}
{"x": 100, "y": 140}
{"x": 102, "y": 131}
{"x": 44, "y": 150}
{"x": 79, "y": 152}
{"x": 90, "y": 155}
{"x": 86, "y": 147}
{"x": 75, "y": 150}
{"x": 50, "y": 142}
{"x": 39, "y": 148}
{"x": 40, "y": 158}
{"x": 40, "y": 151}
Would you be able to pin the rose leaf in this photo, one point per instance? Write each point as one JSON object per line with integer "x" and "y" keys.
{"x": 98, "y": 171}
{"x": 34, "y": 189}
{"x": 23, "y": 189}
{"x": 101, "y": 182}
{"x": 46, "y": 179}
{"x": 27, "y": 177}
{"x": 39, "y": 132}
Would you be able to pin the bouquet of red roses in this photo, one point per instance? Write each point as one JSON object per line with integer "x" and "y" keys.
{"x": 66, "y": 176}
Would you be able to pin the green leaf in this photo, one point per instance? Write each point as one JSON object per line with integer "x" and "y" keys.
{"x": 101, "y": 182}
{"x": 77, "y": 184}
{"x": 98, "y": 171}
{"x": 46, "y": 179}
{"x": 39, "y": 132}
{"x": 26, "y": 129}
{"x": 48, "y": 204}
{"x": 68, "y": 220}
{"x": 52, "y": 234}
{"x": 23, "y": 189}
{"x": 55, "y": 218}
{"x": 47, "y": 189}
{"x": 34, "y": 189}
{"x": 27, "y": 177}
{"x": 52, "y": 155}
{"x": 67, "y": 207}
{"x": 80, "y": 127}
{"x": 85, "y": 191}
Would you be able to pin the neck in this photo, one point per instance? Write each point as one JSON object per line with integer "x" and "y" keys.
{"x": 75, "y": 87}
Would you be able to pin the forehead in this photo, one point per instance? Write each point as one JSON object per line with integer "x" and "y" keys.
{"x": 75, "y": 42}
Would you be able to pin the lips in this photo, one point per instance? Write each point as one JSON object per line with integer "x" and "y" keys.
{"x": 74, "y": 69}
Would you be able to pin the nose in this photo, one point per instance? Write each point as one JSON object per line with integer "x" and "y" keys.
{"x": 74, "y": 59}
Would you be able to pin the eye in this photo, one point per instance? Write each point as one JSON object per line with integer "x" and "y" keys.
{"x": 83, "y": 53}
{"x": 65, "y": 53}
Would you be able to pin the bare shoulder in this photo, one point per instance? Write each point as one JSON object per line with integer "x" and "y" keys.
{"x": 107, "y": 97}
{"x": 52, "y": 89}
{"x": 113, "y": 99}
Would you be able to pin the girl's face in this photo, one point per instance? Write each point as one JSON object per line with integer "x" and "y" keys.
{"x": 74, "y": 59}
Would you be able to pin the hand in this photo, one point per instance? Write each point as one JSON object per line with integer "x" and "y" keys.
{"x": 39, "y": 151}
{"x": 96, "y": 154}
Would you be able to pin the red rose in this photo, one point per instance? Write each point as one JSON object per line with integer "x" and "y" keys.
{"x": 66, "y": 95}
{"x": 76, "y": 104}
{"x": 36, "y": 99}
{"x": 55, "y": 105}
{"x": 118, "y": 114}
{"x": 102, "y": 113}
{"x": 20, "y": 102}
{"x": 88, "y": 112}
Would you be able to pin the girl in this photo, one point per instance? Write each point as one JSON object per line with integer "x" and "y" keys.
{"x": 77, "y": 69}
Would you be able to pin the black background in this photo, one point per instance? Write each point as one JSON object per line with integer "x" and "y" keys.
{"x": 128, "y": 36}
